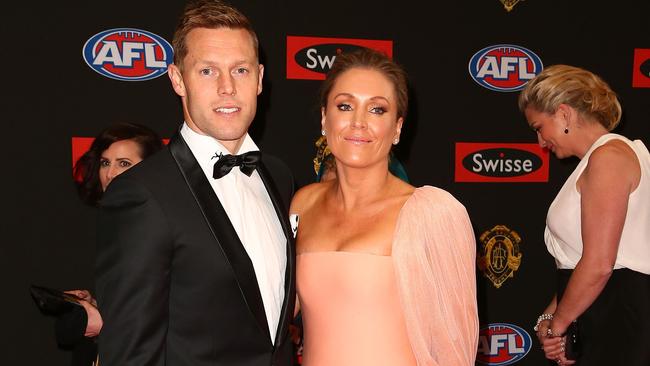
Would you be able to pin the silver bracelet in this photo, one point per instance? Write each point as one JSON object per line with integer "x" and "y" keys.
{"x": 541, "y": 318}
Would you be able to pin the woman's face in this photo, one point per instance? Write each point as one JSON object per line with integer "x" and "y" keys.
{"x": 117, "y": 159}
{"x": 550, "y": 130}
{"x": 360, "y": 119}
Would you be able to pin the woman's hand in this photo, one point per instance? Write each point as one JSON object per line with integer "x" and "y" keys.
{"x": 95, "y": 322}
{"x": 83, "y": 295}
{"x": 553, "y": 347}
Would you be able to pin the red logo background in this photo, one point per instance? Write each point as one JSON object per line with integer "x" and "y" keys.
{"x": 464, "y": 149}
{"x": 638, "y": 79}
{"x": 297, "y": 43}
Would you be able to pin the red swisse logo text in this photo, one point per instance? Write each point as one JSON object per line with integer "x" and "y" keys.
{"x": 641, "y": 71}
{"x": 500, "y": 162}
{"x": 311, "y": 57}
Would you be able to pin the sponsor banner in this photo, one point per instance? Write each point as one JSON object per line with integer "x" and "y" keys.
{"x": 79, "y": 146}
{"x": 504, "y": 67}
{"x": 641, "y": 71}
{"x": 502, "y": 344}
{"x": 499, "y": 257}
{"x": 128, "y": 54}
{"x": 311, "y": 58}
{"x": 501, "y": 162}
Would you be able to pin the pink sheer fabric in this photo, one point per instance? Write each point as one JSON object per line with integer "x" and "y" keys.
{"x": 434, "y": 254}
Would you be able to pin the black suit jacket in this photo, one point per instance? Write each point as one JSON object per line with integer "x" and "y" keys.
{"x": 174, "y": 285}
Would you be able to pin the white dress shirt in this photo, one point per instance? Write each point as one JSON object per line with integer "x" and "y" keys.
{"x": 251, "y": 212}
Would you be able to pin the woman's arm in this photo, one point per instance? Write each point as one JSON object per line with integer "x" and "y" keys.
{"x": 542, "y": 326}
{"x": 605, "y": 186}
{"x": 435, "y": 258}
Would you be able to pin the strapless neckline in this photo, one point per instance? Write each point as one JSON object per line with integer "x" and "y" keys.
{"x": 342, "y": 252}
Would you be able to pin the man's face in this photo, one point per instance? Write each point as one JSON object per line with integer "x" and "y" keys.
{"x": 219, "y": 84}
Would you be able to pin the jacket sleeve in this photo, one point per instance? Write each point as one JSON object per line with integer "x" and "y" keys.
{"x": 434, "y": 254}
{"x": 134, "y": 247}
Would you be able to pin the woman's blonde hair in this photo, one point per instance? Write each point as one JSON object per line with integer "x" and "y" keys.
{"x": 584, "y": 91}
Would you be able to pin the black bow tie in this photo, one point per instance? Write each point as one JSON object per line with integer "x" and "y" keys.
{"x": 247, "y": 163}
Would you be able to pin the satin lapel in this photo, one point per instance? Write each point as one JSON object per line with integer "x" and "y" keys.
{"x": 221, "y": 228}
{"x": 283, "y": 216}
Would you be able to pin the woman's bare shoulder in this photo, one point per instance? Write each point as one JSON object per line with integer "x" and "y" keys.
{"x": 306, "y": 196}
{"x": 614, "y": 158}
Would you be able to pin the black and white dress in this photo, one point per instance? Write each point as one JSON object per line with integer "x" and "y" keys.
{"x": 615, "y": 329}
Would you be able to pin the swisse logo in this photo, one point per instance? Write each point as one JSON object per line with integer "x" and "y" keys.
{"x": 504, "y": 67}
{"x": 505, "y": 162}
{"x": 128, "y": 54}
{"x": 641, "y": 72}
{"x": 312, "y": 57}
{"x": 321, "y": 57}
{"x": 502, "y": 162}
{"x": 502, "y": 344}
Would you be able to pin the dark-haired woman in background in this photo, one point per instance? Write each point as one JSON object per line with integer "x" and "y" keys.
{"x": 598, "y": 226}
{"x": 115, "y": 150}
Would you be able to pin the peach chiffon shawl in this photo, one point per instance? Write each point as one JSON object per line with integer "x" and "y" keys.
{"x": 434, "y": 255}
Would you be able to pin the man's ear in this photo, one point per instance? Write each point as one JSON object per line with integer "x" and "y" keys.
{"x": 176, "y": 78}
{"x": 259, "y": 81}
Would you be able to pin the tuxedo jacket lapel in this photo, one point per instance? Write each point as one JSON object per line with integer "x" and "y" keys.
{"x": 221, "y": 227}
{"x": 283, "y": 217}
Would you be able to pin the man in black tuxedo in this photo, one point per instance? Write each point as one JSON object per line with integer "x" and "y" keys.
{"x": 195, "y": 257}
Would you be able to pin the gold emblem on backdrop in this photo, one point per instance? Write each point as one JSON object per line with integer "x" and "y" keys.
{"x": 500, "y": 257}
{"x": 509, "y": 4}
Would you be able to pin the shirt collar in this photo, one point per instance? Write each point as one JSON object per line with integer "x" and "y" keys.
{"x": 206, "y": 147}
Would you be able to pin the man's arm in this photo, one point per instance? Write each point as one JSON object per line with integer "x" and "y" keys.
{"x": 134, "y": 249}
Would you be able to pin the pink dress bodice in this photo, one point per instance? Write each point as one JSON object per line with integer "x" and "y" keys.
{"x": 351, "y": 310}
{"x": 417, "y": 304}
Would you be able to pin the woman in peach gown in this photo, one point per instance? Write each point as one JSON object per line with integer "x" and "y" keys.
{"x": 385, "y": 271}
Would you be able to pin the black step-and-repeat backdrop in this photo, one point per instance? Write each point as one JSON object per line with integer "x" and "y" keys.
{"x": 72, "y": 68}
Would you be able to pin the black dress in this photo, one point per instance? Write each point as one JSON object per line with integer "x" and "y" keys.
{"x": 615, "y": 329}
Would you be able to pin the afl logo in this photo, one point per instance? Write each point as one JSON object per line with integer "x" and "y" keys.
{"x": 128, "y": 54}
{"x": 502, "y": 344}
{"x": 504, "y": 67}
